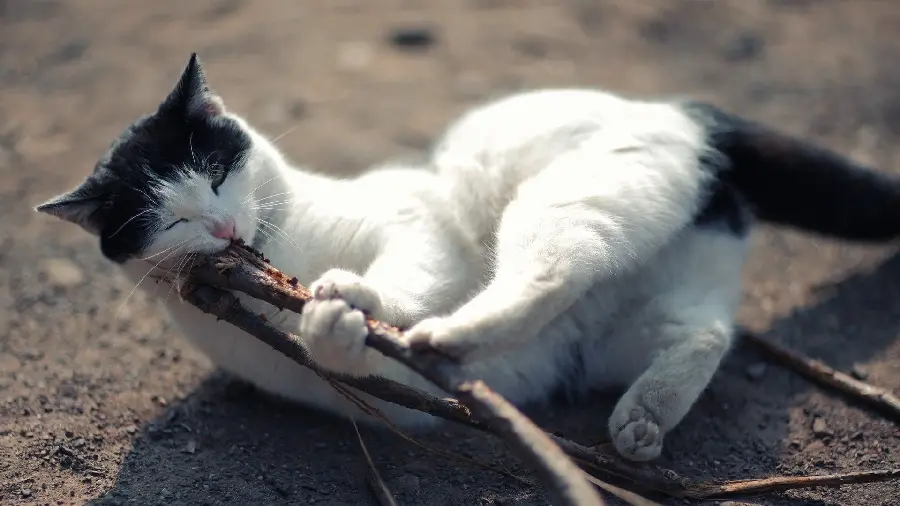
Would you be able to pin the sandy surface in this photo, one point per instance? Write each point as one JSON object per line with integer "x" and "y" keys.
{"x": 101, "y": 403}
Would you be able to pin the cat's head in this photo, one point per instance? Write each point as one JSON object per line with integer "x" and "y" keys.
{"x": 178, "y": 180}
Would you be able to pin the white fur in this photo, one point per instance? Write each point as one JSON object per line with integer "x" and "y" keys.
{"x": 548, "y": 222}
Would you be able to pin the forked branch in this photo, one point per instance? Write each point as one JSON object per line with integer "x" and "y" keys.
{"x": 247, "y": 271}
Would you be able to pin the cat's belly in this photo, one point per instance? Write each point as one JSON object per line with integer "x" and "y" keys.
{"x": 590, "y": 340}
{"x": 250, "y": 359}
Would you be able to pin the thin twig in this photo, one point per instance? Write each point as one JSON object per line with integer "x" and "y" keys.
{"x": 379, "y": 489}
{"x": 627, "y": 496}
{"x": 242, "y": 271}
{"x": 820, "y": 373}
{"x": 782, "y": 483}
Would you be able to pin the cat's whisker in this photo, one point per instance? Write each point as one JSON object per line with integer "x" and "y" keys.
{"x": 272, "y": 205}
{"x": 145, "y": 211}
{"x": 192, "y": 257}
{"x": 278, "y": 230}
{"x": 283, "y": 134}
{"x": 119, "y": 311}
{"x": 271, "y": 235}
{"x": 260, "y": 200}
{"x": 268, "y": 235}
{"x": 191, "y": 146}
{"x": 253, "y": 191}
{"x": 167, "y": 276}
{"x": 163, "y": 251}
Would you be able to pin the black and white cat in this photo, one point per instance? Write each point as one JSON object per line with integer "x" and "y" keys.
{"x": 557, "y": 238}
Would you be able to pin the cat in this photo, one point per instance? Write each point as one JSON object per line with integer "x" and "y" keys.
{"x": 556, "y": 239}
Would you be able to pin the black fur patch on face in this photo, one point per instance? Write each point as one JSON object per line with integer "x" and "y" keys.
{"x": 189, "y": 131}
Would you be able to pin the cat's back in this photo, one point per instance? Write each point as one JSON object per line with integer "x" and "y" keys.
{"x": 521, "y": 119}
{"x": 491, "y": 150}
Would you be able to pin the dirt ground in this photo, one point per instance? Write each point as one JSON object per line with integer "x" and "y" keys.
{"x": 102, "y": 403}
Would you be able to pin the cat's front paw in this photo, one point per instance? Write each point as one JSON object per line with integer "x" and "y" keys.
{"x": 635, "y": 432}
{"x": 440, "y": 335}
{"x": 335, "y": 335}
{"x": 333, "y": 324}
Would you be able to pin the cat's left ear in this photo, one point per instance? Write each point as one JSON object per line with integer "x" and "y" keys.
{"x": 78, "y": 206}
{"x": 192, "y": 96}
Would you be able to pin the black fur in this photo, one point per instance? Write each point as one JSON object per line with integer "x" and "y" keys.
{"x": 787, "y": 181}
{"x": 724, "y": 210}
{"x": 187, "y": 131}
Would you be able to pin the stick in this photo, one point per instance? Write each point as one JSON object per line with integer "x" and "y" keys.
{"x": 239, "y": 270}
{"x": 818, "y": 372}
{"x": 242, "y": 269}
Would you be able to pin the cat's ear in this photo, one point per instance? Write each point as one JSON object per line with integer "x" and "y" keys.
{"x": 192, "y": 96}
{"x": 78, "y": 206}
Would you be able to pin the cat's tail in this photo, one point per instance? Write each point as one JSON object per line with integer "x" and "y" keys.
{"x": 790, "y": 182}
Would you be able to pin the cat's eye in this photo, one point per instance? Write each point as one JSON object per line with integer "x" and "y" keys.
{"x": 218, "y": 179}
{"x": 182, "y": 220}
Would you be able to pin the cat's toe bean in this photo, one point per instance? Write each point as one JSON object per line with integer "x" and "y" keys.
{"x": 635, "y": 434}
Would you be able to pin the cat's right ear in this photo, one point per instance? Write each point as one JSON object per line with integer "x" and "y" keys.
{"x": 192, "y": 96}
{"x": 78, "y": 206}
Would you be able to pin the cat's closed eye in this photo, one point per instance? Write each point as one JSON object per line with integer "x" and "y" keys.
{"x": 182, "y": 220}
{"x": 218, "y": 180}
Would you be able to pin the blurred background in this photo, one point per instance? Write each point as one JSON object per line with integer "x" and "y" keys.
{"x": 102, "y": 403}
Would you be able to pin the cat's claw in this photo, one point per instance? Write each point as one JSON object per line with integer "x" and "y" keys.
{"x": 635, "y": 433}
{"x": 333, "y": 324}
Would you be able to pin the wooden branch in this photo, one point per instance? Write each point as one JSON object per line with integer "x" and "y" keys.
{"x": 242, "y": 269}
{"x": 820, "y": 373}
{"x": 245, "y": 271}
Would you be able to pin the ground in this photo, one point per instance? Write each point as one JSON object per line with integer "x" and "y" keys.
{"x": 102, "y": 403}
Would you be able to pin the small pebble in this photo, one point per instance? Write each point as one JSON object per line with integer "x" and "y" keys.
{"x": 745, "y": 47}
{"x": 757, "y": 370}
{"x": 354, "y": 55}
{"x": 859, "y": 372}
{"x": 415, "y": 38}
{"x": 62, "y": 272}
{"x": 820, "y": 428}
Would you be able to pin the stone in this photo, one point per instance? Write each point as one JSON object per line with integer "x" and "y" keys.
{"x": 757, "y": 371}
{"x": 62, "y": 272}
{"x": 820, "y": 428}
{"x": 412, "y": 38}
{"x": 859, "y": 372}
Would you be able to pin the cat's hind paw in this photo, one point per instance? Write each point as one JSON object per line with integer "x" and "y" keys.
{"x": 635, "y": 433}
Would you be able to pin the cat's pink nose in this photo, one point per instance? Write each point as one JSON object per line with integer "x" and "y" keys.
{"x": 223, "y": 229}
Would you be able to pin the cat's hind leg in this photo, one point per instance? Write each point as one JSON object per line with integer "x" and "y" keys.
{"x": 683, "y": 334}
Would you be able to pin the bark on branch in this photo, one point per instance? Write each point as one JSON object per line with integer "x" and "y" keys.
{"x": 244, "y": 270}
